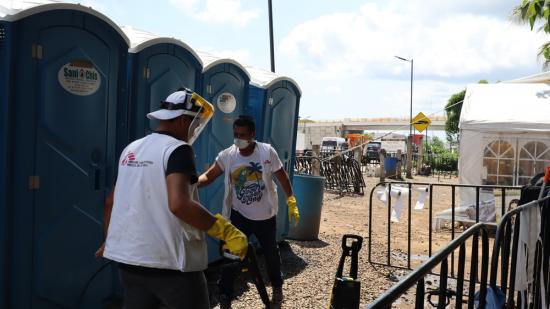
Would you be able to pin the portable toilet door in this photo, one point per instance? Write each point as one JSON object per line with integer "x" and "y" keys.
{"x": 280, "y": 127}
{"x": 159, "y": 66}
{"x": 281, "y": 119}
{"x": 275, "y": 100}
{"x": 5, "y": 69}
{"x": 67, "y": 79}
{"x": 225, "y": 85}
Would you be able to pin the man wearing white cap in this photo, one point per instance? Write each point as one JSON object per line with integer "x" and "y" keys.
{"x": 153, "y": 222}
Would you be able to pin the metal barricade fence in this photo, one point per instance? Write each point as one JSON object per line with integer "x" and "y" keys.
{"x": 342, "y": 173}
{"x": 504, "y": 258}
{"x": 430, "y": 187}
{"x": 507, "y": 243}
{"x": 441, "y": 260}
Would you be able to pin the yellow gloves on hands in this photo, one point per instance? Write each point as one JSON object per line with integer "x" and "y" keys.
{"x": 235, "y": 241}
{"x": 293, "y": 210}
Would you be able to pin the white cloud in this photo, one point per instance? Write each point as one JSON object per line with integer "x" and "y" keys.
{"x": 243, "y": 56}
{"x": 374, "y": 98}
{"x": 333, "y": 90}
{"x": 217, "y": 11}
{"x": 446, "y": 45}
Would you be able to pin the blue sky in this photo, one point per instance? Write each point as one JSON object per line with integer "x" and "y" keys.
{"x": 341, "y": 52}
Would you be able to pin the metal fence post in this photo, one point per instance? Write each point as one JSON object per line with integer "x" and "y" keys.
{"x": 382, "y": 169}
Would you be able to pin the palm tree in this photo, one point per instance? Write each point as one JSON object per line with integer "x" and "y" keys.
{"x": 533, "y": 11}
{"x": 255, "y": 168}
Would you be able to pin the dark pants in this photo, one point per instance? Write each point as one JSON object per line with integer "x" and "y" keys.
{"x": 265, "y": 232}
{"x": 149, "y": 288}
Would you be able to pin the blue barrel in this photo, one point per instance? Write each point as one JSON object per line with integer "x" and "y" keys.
{"x": 309, "y": 194}
{"x": 390, "y": 165}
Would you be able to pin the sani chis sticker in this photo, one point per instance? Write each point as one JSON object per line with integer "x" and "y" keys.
{"x": 79, "y": 78}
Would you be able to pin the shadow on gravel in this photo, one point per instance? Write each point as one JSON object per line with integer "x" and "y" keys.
{"x": 310, "y": 244}
{"x": 291, "y": 265}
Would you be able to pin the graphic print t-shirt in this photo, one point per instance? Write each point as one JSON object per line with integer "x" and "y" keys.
{"x": 247, "y": 185}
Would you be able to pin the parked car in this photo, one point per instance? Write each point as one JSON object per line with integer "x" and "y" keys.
{"x": 371, "y": 154}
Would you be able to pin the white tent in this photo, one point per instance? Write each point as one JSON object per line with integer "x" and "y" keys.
{"x": 504, "y": 134}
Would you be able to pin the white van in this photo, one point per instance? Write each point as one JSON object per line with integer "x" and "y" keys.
{"x": 333, "y": 144}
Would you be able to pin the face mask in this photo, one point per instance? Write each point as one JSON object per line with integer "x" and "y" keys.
{"x": 241, "y": 143}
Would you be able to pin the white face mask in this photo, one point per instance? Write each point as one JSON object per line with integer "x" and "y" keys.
{"x": 241, "y": 143}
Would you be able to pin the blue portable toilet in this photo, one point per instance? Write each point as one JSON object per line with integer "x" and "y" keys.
{"x": 224, "y": 84}
{"x": 274, "y": 101}
{"x": 158, "y": 67}
{"x": 62, "y": 80}
{"x": 5, "y": 60}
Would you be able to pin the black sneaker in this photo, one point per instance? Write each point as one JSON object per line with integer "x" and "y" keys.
{"x": 225, "y": 301}
{"x": 277, "y": 296}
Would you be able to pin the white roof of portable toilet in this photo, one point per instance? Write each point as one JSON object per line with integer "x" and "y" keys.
{"x": 264, "y": 79}
{"x": 13, "y": 10}
{"x": 209, "y": 60}
{"x": 506, "y": 107}
{"x": 141, "y": 39}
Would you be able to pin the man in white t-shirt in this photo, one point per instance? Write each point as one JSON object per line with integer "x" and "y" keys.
{"x": 153, "y": 222}
{"x": 250, "y": 199}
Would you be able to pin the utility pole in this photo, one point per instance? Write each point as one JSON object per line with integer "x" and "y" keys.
{"x": 272, "y": 52}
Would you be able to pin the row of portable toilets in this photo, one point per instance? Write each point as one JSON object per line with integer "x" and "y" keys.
{"x": 74, "y": 90}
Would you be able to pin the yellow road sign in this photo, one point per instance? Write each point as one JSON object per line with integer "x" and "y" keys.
{"x": 421, "y": 122}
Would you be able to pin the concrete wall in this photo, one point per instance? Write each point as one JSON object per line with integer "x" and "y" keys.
{"x": 315, "y": 132}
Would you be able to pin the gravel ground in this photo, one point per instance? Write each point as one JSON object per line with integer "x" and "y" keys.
{"x": 309, "y": 267}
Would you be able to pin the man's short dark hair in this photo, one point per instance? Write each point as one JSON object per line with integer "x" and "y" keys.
{"x": 245, "y": 121}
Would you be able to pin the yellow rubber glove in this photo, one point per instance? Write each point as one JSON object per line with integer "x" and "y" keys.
{"x": 292, "y": 210}
{"x": 235, "y": 241}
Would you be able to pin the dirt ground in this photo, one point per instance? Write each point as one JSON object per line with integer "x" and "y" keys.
{"x": 309, "y": 266}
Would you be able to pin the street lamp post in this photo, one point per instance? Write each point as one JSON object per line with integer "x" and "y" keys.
{"x": 409, "y": 140}
{"x": 411, "y": 105}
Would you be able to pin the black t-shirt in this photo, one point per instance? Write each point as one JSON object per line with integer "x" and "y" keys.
{"x": 182, "y": 160}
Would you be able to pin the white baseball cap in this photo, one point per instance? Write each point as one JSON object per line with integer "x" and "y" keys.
{"x": 176, "y": 104}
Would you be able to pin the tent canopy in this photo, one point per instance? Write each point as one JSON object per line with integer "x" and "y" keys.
{"x": 506, "y": 107}
{"x": 504, "y": 135}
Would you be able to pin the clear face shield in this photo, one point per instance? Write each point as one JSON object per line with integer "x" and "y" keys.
{"x": 201, "y": 119}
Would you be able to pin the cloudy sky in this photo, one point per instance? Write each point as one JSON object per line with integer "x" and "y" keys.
{"x": 342, "y": 52}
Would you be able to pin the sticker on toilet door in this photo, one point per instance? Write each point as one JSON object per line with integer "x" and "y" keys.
{"x": 227, "y": 102}
{"x": 79, "y": 78}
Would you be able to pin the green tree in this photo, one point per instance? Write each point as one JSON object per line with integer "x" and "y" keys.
{"x": 434, "y": 146}
{"x": 438, "y": 157}
{"x": 453, "y": 109}
{"x": 536, "y": 12}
